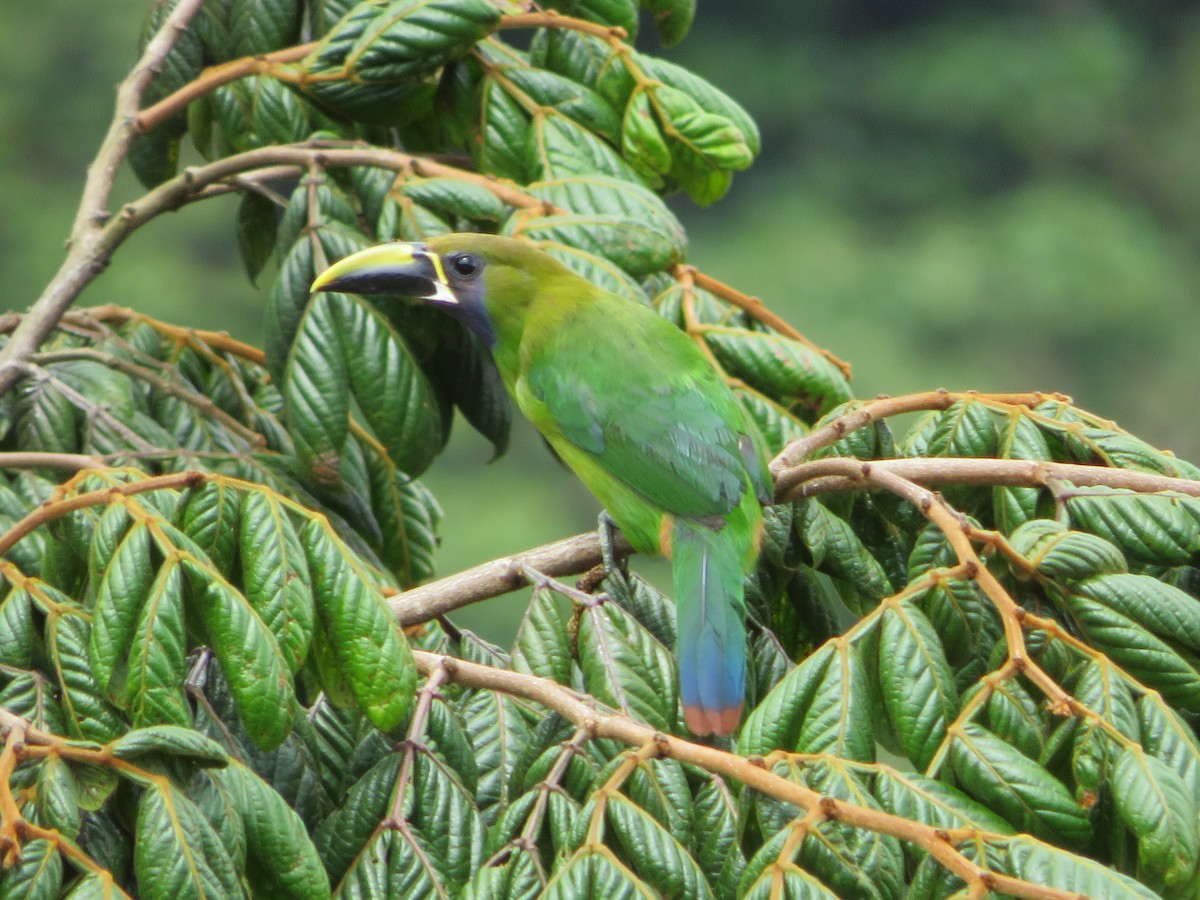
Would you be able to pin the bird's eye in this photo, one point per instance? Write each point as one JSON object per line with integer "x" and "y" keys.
{"x": 466, "y": 265}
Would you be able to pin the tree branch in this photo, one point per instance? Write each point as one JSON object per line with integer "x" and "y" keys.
{"x": 885, "y": 407}
{"x": 89, "y": 244}
{"x": 841, "y": 473}
{"x": 570, "y": 556}
{"x": 749, "y": 771}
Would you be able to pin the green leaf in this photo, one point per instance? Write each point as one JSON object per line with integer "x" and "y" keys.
{"x": 672, "y": 18}
{"x": 1021, "y": 439}
{"x": 1155, "y": 804}
{"x": 177, "y": 854}
{"x": 774, "y": 873}
{"x": 260, "y": 26}
{"x": 1166, "y": 737}
{"x": 456, "y": 198}
{"x": 281, "y": 859}
{"x": 918, "y": 687}
{"x": 211, "y": 519}
{"x": 717, "y": 849}
{"x": 363, "y": 635}
{"x": 170, "y": 740}
{"x": 1041, "y": 864}
{"x": 316, "y": 389}
{"x": 618, "y": 220}
{"x": 559, "y": 147}
{"x": 88, "y": 714}
{"x": 16, "y": 629}
{"x": 343, "y": 836}
{"x": 258, "y": 676}
{"x": 158, "y": 658}
{"x": 709, "y": 98}
{"x": 820, "y": 706}
{"x": 836, "y": 548}
{"x": 255, "y": 229}
{"x": 542, "y": 646}
{"x": 1057, "y": 552}
{"x": 391, "y": 390}
{"x": 370, "y": 62}
{"x": 275, "y": 575}
{"x": 1136, "y": 650}
{"x": 1150, "y": 528}
{"x": 37, "y": 874}
{"x": 1016, "y": 787}
{"x": 642, "y": 143}
{"x": 124, "y": 587}
{"x": 1100, "y": 689}
{"x": 650, "y": 850}
{"x": 1160, "y": 608}
{"x": 593, "y": 872}
{"x": 498, "y": 731}
{"x": 933, "y": 802}
{"x": 58, "y": 798}
{"x": 786, "y": 371}
{"x": 624, "y": 666}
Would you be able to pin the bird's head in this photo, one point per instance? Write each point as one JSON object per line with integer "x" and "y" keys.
{"x": 483, "y": 280}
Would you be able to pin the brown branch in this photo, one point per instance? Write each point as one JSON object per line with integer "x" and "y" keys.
{"x": 214, "y": 77}
{"x": 35, "y": 460}
{"x": 570, "y": 556}
{"x": 845, "y": 473}
{"x": 91, "y": 242}
{"x": 748, "y": 771}
{"x": 885, "y": 407}
{"x": 51, "y": 510}
{"x": 264, "y": 64}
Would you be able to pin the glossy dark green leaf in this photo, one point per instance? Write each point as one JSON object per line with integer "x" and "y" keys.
{"x": 1057, "y": 552}
{"x": 792, "y": 374}
{"x": 158, "y": 658}
{"x": 58, "y": 797}
{"x": 390, "y": 388}
{"x": 917, "y": 683}
{"x": 821, "y": 706}
{"x": 1160, "y": 608}
{"x": 1042, "y": 864}
{"x": 16, "y": 628}
{"x": 1016, "y": 787}
{"x": 362, "y": 633}
{"x": 624, "y": 666}
{"x": 618, "y": 220}
{"x": 260, "y": 26}
{"x": 170, "y": 740}
{"x": 258, "y": 675}
{"x": 275, "y": 575}
{"x": 542, "y": 646}
{"x": 281, "y": 859}
{"x": 1094, "y": 753}
{"x": 87, "y": 712}
{"x": 317, "y": 391}
{"x": 124, "y": 586}
{"x": 591, "y": 872}
{"x": 1165, "y": 736}
{"x": 37, "y": 874}
{"x": 1155, "y": 804}
{"x": 836, "y": 548}
{"x": 177, "y": 854}
{"x": 1151, "y": 528}
{"x": 255, "y": 229}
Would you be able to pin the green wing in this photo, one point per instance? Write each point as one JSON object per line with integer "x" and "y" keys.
{"x": 648, "y": 408}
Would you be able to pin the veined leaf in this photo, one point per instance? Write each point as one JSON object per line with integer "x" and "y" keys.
{"x": 1016, "y": 787}
{"x": 1060, "y": 553}
{"x": 1151, "y": 528}
{"x": 363, "y": 636}
{"x": 625, "y": 667}
{"x": 124, "y": 587}
{"x": 918, "y": 687}
{"x": 1155, "y": 804}
{"x": 177, "y": 853}
{"x": 158, "y": 661}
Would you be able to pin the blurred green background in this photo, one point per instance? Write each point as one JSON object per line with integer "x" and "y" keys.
{"x": 990, "y": 195}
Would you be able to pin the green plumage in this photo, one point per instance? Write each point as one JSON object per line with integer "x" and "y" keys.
{"x": 634, "y": 409}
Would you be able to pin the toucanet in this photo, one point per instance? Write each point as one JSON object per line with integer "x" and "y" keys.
{"x": 632, "y": 406}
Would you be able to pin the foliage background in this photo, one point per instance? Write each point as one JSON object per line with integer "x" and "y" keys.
{"x": 967, "y": 194}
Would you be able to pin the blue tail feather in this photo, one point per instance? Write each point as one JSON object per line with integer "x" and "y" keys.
{"x": 711, "y": 642}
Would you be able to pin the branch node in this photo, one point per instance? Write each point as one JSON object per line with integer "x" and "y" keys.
{"x": 970, "y": 570}
{"x": 757, "y": 761}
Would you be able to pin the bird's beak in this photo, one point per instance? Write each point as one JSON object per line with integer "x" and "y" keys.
{"x": 403, "y": 268}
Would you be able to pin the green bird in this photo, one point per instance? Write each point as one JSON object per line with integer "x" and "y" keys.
{"x": 633, "y": 407}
